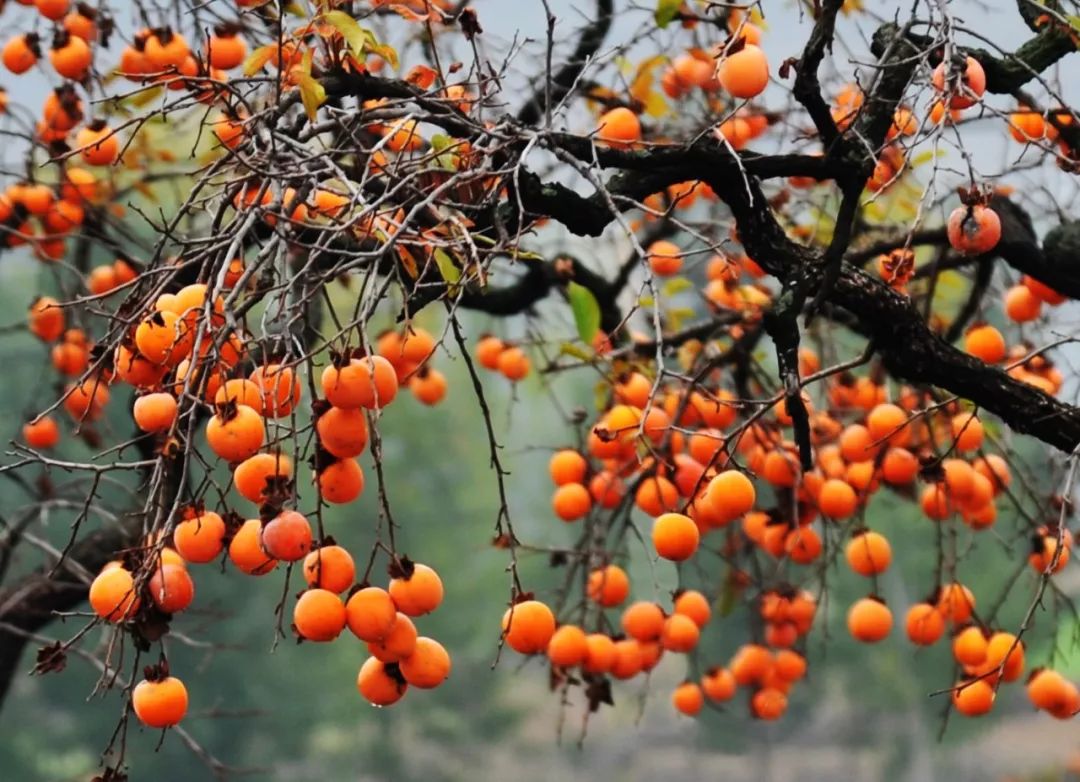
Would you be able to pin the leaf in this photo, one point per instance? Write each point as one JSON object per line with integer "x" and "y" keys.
{"x": 570, "y": 349}
{"x": 408, "y": 261}
{"x": 423, "y": 76}
{"x": 666, "y": 10}
{"x": 258, "y": 58}
{"x": 586, "y": 311}
{"x": 312, "y": 92}
{"x": 676, "y": 285}
{"x": 447, "y": 268}
{"x": 360, "y": 40}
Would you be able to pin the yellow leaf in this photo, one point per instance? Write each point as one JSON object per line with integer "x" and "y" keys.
{"x": 258, "y": 58}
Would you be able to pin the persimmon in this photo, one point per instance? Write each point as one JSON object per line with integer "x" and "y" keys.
{"x": 41, "y": 433}
{"x": 279, "y": 387}
{"x": 643, "y": 621}
{"x": 329, "y": 567}
{"x": 1021, "y": 305}
{"x": 967, "y": 431}
{"x": 619, "y": 127}
{"x": 571, "y": 501}
{"x": 113, "y": 596}
{"x": 342, "y": 432}
{"x": 675, "y": 536}
{"x": 985, "y": 343}
{"x": 718, "y": 685}
{"x": 956, "y": 602}
{"x": 628, "y": 659}
{"x": 79, "y": 24}
{"x": 371, "y": 613}
{"x": 924, "y": 624}
{"x": 973, "y": 698}
{"x": 254, "y": 476}
{"x": 695, "y": 605}
{"x": 240, "y": 391}
{"x": 246, "y": 551}
{"x": 171, "y": 588}
{"x": 428, "y": 666}
{"x": 1049, "y": 555}
{"x": 837, "y": 499}
{"x": 744, "y": 73}
{"x": 869, "y": 620}
{"x": 567, "y": 647}
{"x": 731, "y": 494}
{"x": 71, "y": 356}
{"x": 1048, "y": 690}
{"x": 768, "y": 704}
{"x": 200, "y": 538}
{"x": 235, "y": 432}
{"x": 1004, "y": 652}
{"x": 599, "y": 654}
{"x": 46, "y": 319}
{"x": 155, "y": 412}
{"x": 528, "y": 627}
{"x": 888, "y": 422}
{"x": 287, "y": 536}
{"x": 567, "y": 466}
{"x": 688, "y": 699}
{"x": 803, "y": 545}
{"x": 70, "y": 57}
{"x": 680, "y": 634}
{"x": 397, "y": 643}
{"x": 381, "y": 684}
{"x": 969, "y": 646}
{"x": 1043, "y": 292}
{"x": 417, "y": 592}
{"x": 488, "y": 350}
{"x": 165, "y": 48}
{"x": 665, "y": 258}
{"x": 319, "y": 615}
{"x": 21, "y": 53}
{"x": 368, "y": 382}
{"x": 99, "y": 144}
{"x": 964, "y": 91}
{"x": 974, "y": 230}
{"x": 160, "y": 703}
{"x": 513, "y": 364}
{"x": 868, "y": 553}
{"x": 428, "y": 385}
{"x": 226, "y": 50}
{"x": 609, "y": 586}
{"x": 341, "y": 481}
{"x": 899, "y": 467}
{"x": 86, "y": 401}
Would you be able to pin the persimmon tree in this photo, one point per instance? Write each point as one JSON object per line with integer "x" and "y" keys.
{"x": 794, "y": 279}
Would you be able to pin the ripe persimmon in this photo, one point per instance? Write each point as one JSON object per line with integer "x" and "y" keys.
{"x": 160, "y": 703}
{"x": 341, "y": 481}
{"x": 688, "y": 699}
{"x": 567, "y": 466}
{"x": 41, "y": 433}
{"x": 973, "y": 698}
{"x": 513, "y": 364}
{"x": 287, "y": 536}
{"x": 381, "y": 684}
{"x": 924, "y": 624}
{"x": 965, "y": 91}
{"x": 956, "y": 602}
{"x": 609, "y": 586}
{"x": 418, "y": 591}
{"x": 1021, "y": 305}
{"x": 428, "y": 666}
{"x": 731, "y": 494}
{"x": 113, "y": 596}
{"x": 171, "y": 588}
{"x": 528, "y": 626}
{"x": 869, "y": 620}
{"x": 675, "y": 536}
{"x": 70, "y": 56}
{"x": 488, "y": 350}
{"x": 235, "y": 432}
{"x": 319, "y": 615}
{"x": 718, "y": 684}
{"x": 680, "y": 634}
{"x": 619, "y": 127}
{"x": 201, "y": 538}
{"x": 985, "y": 343}
{"x": 744, "y": 73}
{"x": 342, "y": 432}
{"x": 567, "y": 647}
{"x": 246, "y": 551}
{"x": 599, "y": 653}
{"x": 695, "y": 605}
{"x": 99, "y": 144}
{"x": 21, "y": 53}
{"x": 155, "y": 412}
{"x": 370, "y": 613}
{"x": 868, "y": 553}
{"x": 254, "y": 476}
{"x": 768, "y": 704}
{"x": 329, "y": 567}
{"x": 643, "y": 621}
{"x": 571, "y": 501}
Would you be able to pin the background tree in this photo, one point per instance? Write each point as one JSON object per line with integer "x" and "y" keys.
{"x": 261, "y": 225}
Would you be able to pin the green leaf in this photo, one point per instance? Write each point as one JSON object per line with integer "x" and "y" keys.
{"x": 447, "y": 268}
{"x": 570, "y": 349}
{"x": 666, "y": 11}
{"x": 586, "y": 311}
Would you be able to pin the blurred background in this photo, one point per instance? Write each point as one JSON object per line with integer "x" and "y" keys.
{"x": 293, "y": 713}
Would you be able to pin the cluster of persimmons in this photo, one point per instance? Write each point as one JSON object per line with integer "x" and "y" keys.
{"x": 715, "y": 474}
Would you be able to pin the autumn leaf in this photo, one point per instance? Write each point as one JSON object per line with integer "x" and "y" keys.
{"x": 666, "y": 10}
{"x": 423, "y": 76}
